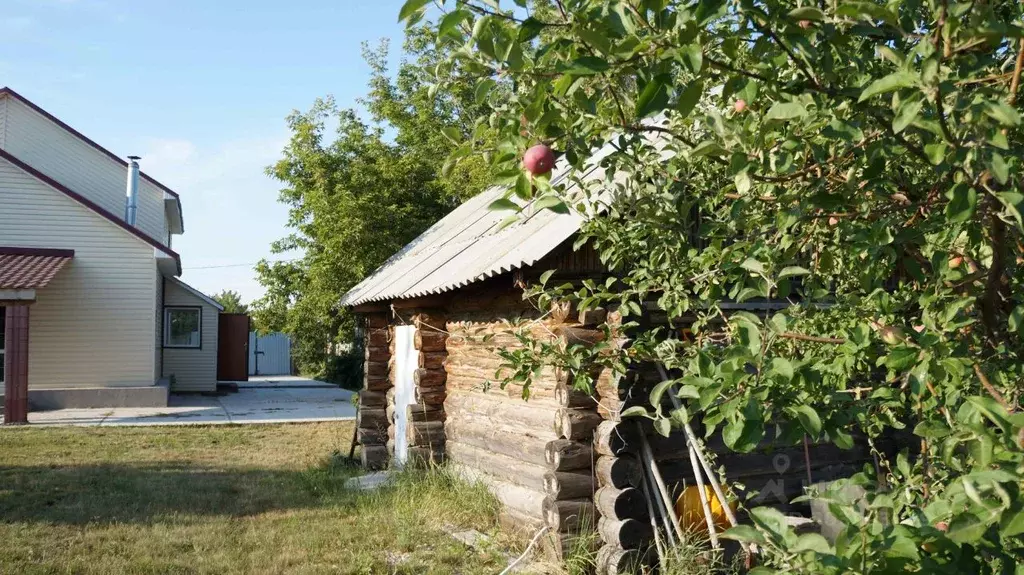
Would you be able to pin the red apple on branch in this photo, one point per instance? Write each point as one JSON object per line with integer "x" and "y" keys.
{"x": 539, "y": 160}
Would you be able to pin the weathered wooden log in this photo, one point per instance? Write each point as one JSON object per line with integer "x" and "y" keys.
{"x": 376, "y": 369}
{"x": 380, "y": 353}
{"x": 614, "y": 438}
{"x": 506, "y": 468}
{"x": 366, "y": 436}
{"x": 430, "y": 395}
{"x": 592, "y": 317}
{"x": 576, "y": 423}
{"x": 374, "y": 456}
{"x": 427, "y": 339}
{"x": 377, "y": 320}
{"x": 614, "y": 560}
{"x": 372, "y": 399}
{"x": 625, "y": 534}
{"x": 425, "y": 432}
{"x": 371, "y": 418}
{"x": 432, "y": 359}
{"x": 620, "y": 472}
{"x": 425, "y": 456}
{"x": 574, "y": 335}
{"x": 499, "y": 440}
{"x": 416, "y": 412}
{"x": 625, "y": 503}
{"x": 568, "y": 455}
{"x": 566, "y": 396}
{"x": 501, "y": 409}
{"x": 568, "y": 484}
{"x": 569, "y": 515}
{"x": 511, "y": 425}
{"x": 377, "y": 337}
{"x": 429, "y": 377}
{"x": 376, "y": 382}
{"x": 526, "y": 501}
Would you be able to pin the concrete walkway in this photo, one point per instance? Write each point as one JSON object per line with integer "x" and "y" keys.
{"x": 295, "y": 400}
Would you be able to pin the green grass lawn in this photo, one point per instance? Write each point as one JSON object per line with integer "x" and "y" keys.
{"x": 225, "y": 500}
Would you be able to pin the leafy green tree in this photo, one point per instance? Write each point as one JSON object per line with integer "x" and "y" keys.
{"x": 856, "y": 161}
{"x": 359, "y": 191}
{"x": 232, "y": 301}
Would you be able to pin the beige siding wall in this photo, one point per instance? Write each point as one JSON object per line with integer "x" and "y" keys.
{"x": 158, "y": 351}
{"x": 93, "y": 324}
{"x": 47, "y": 147}
{"x": 193, "y": 369}
{"x": 3, "y": 120}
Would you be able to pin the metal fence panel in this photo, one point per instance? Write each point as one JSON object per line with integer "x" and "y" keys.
{"x": 270, "y": 354}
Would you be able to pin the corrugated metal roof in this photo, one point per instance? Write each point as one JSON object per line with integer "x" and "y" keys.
{"x": 467, "y": 246}
{"x": 26, "y": 268}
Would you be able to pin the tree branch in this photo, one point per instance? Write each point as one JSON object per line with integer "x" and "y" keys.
{"x": 814, "y": 338}
{"x": 990, "y": 388}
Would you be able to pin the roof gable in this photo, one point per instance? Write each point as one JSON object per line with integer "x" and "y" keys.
{"x": 91, "y": 206}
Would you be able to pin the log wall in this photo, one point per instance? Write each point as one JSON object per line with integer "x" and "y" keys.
{"x": 372, "y": 420}
{"x": 534, "y": 454}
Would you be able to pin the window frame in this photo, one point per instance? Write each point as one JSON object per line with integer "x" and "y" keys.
{"x": 167, "y": 325}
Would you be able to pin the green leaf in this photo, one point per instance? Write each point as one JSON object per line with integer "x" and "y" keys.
{"x": 893, "y": 81}
{"x": 786, "y": 111}
{"x": 901, "y": 358}
{"x": 659, "y": 390}
{"x": 1014, "y": 203}
{"x": 936, "y": 152}
{"x": 1016, "y": 321}
{"x": 963, "y": 200}
{"x": 783, "y": 367}
{"x": 587, "y": 66}
{"x": 1002, "y": 112}
{"x": 742, "y": 180}
{"x": 753, "y": 266}
{"x": 1012, "y": 524}
{"x": 811, "y": 542}
{"x": 663, "y": 426}
{"x": 906, "y": 115}
{"x": 807, "y": 13}
{"x": 771, "y": 520}
{"x": 692, "y": 57}
{"x": 450, "y": 22}
{"x": 653, "y": 98}
{"x": 635, "y": 411}
{"x": 453, "y": 134}
{"x": 410, "y": 8}
{"x": 746, "y": 534}
{"x": 689, "y": 98}
{"x": 966, "y": 528}
{"x": 530, "y": 29}
{"x": 483, "y": 87}
{"x": 809, "y": 419}
{"x": 842, "y": 439}
{"x": 1000, "y": 170}
{"x": 791, "y": 271}
{"x": 523, "y": 189}
{"x": 931, "y": 430}
{"x": 551, "y": 202}
{"x": 544, "y": 277}
{"x": 502, "y": 204}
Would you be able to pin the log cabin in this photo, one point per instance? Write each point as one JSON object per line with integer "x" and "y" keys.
{"x": 435, "y": 317}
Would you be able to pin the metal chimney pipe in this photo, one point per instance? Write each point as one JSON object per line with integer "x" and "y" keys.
{"x": 131, "y": 204}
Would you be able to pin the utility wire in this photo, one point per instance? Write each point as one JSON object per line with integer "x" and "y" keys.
{"x": 239, "y": 265}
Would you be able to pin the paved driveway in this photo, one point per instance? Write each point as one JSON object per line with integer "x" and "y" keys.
{"x": 263, "y": 400}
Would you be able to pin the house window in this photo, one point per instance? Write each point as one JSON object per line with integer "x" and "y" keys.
{"x": 182, "y": 327}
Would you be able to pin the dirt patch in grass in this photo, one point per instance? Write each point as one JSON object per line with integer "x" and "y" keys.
{"x": 225, "y": 500}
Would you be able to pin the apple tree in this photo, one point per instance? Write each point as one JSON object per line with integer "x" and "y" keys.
{"x": 858, "y": 162}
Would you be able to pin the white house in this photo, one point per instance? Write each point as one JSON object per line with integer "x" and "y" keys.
{"x": 92, "y": 313}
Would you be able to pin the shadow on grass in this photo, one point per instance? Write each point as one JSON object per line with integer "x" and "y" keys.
{"x": 149, "y": 492}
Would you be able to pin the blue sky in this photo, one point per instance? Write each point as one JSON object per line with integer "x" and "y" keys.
{"x": 200, "y": 90}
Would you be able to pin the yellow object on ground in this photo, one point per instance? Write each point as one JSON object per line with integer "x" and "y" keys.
{"x": 691, "y": 513}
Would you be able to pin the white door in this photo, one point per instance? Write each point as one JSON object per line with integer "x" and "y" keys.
{"x": 406, "y": 362}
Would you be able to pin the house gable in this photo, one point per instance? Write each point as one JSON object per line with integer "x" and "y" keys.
{"x": 44, "y": 142}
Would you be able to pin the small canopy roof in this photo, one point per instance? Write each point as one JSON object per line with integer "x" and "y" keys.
{"x": 30, "y": 268}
